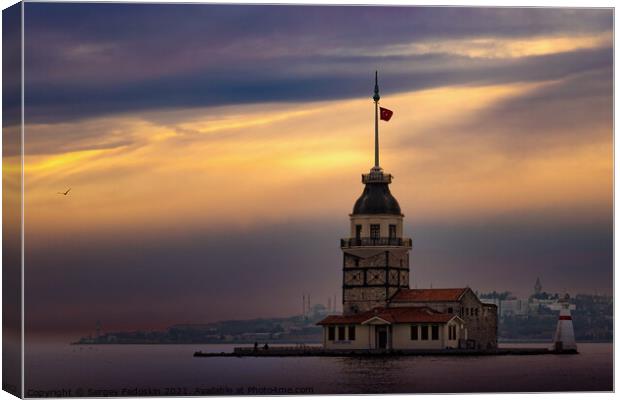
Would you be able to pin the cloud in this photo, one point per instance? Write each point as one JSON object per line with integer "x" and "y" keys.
{"x": 185, "y": 142}
{"x": 576, "y": 110}
{"x": 503, "y": 141}
{"x": 128, "y": 58}
{"x": 486, "y": 47}
{"x": 152, "y": 231}
{"x": 196, "y": 276}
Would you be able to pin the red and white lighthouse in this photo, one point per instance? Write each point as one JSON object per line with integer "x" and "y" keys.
{"x": 564, "y": 339}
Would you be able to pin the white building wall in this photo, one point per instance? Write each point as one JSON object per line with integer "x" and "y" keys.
{"x": 399, "y": 337}
{"x": 402, "y": 338}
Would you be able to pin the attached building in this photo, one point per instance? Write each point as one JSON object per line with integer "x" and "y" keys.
{"x": 404, "y": 328}
{"x": 417, "y": 319}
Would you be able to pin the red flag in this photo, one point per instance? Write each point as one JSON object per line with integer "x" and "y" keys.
{"x": 385, "y": 113}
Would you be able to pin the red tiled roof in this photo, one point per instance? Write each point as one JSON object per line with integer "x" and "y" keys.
{"x": 344, "y": 319}
{"x": 391, "y": 315}
{"x": 422, "y": 295}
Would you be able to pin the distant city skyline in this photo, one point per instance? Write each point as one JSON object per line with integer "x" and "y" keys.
{"x": 214, "y": 153}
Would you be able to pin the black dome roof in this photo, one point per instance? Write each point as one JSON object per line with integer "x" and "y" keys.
{"x": 376, "y": 199}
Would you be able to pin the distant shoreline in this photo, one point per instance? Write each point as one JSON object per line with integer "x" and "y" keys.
{"x": 309, "y": 343}
{"x": 509, "y": 341}
{"x": 271, "y": 342}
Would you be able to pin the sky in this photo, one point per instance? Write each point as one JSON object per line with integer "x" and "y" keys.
{"x": 214, "y": 153}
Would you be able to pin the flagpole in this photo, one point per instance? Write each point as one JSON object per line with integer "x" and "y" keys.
{"x": 376, "y": 99}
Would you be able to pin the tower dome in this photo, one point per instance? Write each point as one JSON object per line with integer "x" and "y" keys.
{"x": 376, "y": 199}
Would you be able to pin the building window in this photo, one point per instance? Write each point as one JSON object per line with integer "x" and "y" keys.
{"x": 476, "y": 311}
{"x": 358, "y": 232}
{"x": 331, "y": 333}
{"x": 414, "y": 332}
{"x": 341, "y": 332}
{"x": 449, "y": 310}
{"x": 424, "y": 332}
{"x": 434, "y": 332}
{"x": 392, "y": 231}
{"x": 351, "y": 332}
{"x": 375, "y": 231}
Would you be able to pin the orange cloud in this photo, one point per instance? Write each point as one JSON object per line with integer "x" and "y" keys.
{"x": 494, "y": 47}
{"x": 240, "y": 166}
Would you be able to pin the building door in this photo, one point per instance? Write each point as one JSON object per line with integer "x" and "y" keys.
{"x": 381, "y": 337}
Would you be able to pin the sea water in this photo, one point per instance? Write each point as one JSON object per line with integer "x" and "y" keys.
{"x": 57, "y": 369}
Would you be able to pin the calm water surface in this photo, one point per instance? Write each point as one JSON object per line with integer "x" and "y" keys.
{"x": 124, "y": 370}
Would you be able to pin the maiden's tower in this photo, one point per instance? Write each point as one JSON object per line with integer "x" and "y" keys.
{"x": 380, "y": 311}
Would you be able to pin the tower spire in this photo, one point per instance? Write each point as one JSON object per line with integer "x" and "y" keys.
{"x": 376, "y": 98}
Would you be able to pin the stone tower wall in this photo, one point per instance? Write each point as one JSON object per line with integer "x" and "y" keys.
{"x": 371, "y": 278}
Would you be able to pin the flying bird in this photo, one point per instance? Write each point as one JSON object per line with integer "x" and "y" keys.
{"x": 65, "y": 193}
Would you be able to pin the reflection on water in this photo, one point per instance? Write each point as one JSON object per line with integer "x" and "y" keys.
{"x": 171, "y": 370}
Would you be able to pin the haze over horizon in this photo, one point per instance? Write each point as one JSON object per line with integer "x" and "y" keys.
{"x": 214, "y": 153}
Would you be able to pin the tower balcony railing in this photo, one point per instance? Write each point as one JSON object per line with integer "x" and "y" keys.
{"x": 376, "y": 177}
{"x": 379, "y": 242}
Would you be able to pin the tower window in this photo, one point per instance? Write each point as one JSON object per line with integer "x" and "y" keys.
{"x": 358, "y": 232}
{"x": 351, "y": 332}
{"x": 375, "y": 231}
{"x": 392, "y": 231}
{"x": 331, "y": 333}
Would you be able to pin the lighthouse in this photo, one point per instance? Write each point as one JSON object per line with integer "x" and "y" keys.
{"x": 564, "y": 339}
{"x": 376, "y": 254}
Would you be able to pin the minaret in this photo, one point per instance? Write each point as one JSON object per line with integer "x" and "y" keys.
{"x": 375, "y": 255}
{"x": 537, "y": 286}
